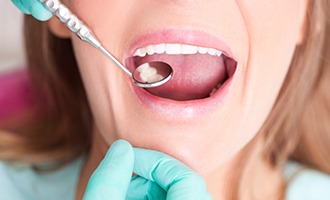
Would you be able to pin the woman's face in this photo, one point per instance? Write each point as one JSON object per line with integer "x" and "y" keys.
{"x": 182, "y": 119}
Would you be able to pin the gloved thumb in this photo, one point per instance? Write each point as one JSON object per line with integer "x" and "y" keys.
{"x": 112, "y": 177}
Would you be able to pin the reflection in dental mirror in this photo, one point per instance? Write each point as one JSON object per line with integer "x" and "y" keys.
{"x": 152, "y": 74}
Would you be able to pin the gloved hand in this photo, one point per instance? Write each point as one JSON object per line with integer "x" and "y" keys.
{"x": 33, "y": 7}
{"x": 159, "y": 177}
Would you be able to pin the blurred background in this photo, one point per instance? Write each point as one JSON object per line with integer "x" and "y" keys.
{"x": 15, "y": 93}
{"x": 11, "y": 37}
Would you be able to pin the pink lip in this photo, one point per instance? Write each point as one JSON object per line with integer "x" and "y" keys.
{"x": 181, "y": 110}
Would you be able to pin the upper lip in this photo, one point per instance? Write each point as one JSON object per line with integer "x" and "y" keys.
{"x": 189, "y": 37}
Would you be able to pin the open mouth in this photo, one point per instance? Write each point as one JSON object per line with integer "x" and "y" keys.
{"x": 198, "y": 72}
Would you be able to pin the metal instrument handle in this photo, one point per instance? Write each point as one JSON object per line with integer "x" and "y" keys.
{"x": 71, "y": 21}
{"x": 77, "y": 26}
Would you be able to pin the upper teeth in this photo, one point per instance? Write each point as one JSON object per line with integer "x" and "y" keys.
{"x": 175, "y": 49}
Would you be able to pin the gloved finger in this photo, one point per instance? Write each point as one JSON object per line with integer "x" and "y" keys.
{"x": 141, "y": 188}
{"x": 20, "y": 5}
{"x": 177, "y": 179}
{"x": 112, "y": 177}
{"x": 33, "y": 7}
{"x": 39, "y": 12}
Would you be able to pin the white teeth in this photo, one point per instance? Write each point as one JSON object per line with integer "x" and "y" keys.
{"x": 140, "y": 52}
{"x": 188, "y": 49}
{"x": 203, "y": 50}
{"x": 175, "y": 49}
{"x": 212, "y": 52}
{"x": 155, "y": 78}
{"x": 149, "y": 74}
{"x": 214, "y": 90}
{"x": 159, "y": 48}
{"x": 150, "y": 50}
{"x": 143, "y": 67}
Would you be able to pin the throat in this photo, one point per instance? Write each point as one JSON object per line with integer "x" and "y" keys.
{"x": 98, "y": 149}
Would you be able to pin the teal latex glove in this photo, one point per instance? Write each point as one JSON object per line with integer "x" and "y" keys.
{"x": 159, "y": 177}
{"x": 34, "y": 8}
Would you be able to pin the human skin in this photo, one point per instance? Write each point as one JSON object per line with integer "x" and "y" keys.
{"x": 262, "y": 36}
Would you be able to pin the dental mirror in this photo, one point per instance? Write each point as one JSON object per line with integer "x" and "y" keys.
{"x": 147, "y": 75}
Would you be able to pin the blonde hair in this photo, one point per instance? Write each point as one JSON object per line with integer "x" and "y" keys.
{"x": 297, "y": 128}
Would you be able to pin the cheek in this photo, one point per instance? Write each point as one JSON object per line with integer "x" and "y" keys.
{"x": 273, "y": 30}
{"x": 102, "y": 80}
{"x": 107, "y": 19}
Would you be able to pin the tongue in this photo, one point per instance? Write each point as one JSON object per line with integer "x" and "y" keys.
{"x": 194, "y": 76}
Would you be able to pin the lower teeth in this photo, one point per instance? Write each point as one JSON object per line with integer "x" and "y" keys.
{"x": 214, "y": 90}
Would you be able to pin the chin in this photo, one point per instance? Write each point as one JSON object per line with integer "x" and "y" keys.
{"x": 193, "y": 146}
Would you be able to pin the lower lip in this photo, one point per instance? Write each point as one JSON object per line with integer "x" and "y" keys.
{"x": 168, "y": 109}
